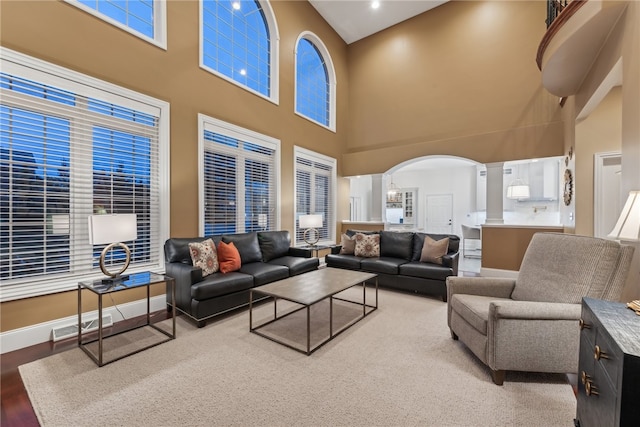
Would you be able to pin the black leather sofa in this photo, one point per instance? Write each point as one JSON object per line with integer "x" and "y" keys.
{"x": 266, "y": 257}
{"x": 399, "y": 265}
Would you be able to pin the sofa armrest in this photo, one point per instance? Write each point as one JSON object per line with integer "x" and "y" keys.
{"x": 498, "y": 287}
{"x": 451, "y": 260}
{"x": 534, "y": 310}
{"x": 300, "y": 252}
{"x": 185, "y": 276}
{"x": 335, "y": 250}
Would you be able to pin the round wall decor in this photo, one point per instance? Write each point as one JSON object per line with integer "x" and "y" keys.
{"x": 568, "y": 187}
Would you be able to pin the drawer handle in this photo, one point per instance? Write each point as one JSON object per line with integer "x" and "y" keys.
{"x": 591, "y": 389}
{"x": 599, "y": 354}
{"x": 584, "y": 325}
{"x": 584, "y": 377}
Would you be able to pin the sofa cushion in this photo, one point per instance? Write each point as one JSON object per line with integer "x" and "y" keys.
{"x": 218, "y": 284}
{"x": 396, "y": 244}
{"x": 264, "y": 273}
{"x": 350, "y": 262}
{"x": 348, "y": 244}
{"x": 247, "y": 244}
{"x": 205, "y": 256}
{"x": 474, "y": 309}
{"x": 367, "y": 245}
{"x": 418, "y": 243}
{"x": 425, "y": 270}
{"x": 385, "y": 265}
{"x": 434, "y": 250}
{"x": 297, "y": 265}
{"x": 273, "y": 244}
{"x": 228, "y": 257}
{"x": 565, "y": 267}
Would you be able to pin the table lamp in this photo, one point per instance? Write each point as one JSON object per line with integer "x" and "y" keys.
{"x": 311, "y": 223}
{"x": 628, "y": 225}
{"x": 112, "y": 230}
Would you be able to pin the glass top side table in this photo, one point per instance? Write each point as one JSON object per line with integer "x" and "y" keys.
{"x": 135, "y": 280}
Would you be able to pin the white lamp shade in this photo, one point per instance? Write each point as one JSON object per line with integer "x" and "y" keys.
{"x": 628, "y": 225}
{"x": 310, "y": 221}
{"x": 520, "y": 191}
{"x": 112, "y": 228}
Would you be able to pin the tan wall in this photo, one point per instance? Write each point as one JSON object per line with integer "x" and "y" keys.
{"x": 503, "y": 247}
{"x": 600, "y": 132}
{"x": 623, "y": 43}
{"x": 459, "y": 80}
{"x": 65, "y": 35}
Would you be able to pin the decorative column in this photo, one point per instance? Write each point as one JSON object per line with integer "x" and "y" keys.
{"x": 376, "y": 197}
{"x": 494, "y": 193}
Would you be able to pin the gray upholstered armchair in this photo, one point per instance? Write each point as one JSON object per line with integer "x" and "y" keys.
{"x": 530, "y": 323}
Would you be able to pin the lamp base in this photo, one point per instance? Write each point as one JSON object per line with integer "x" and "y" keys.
{"x": 115, "y": 280}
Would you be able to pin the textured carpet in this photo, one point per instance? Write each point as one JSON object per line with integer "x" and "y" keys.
{"x": 397, "y": 367}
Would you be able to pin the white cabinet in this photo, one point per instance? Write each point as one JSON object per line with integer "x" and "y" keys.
{"x": 402, "y": 206}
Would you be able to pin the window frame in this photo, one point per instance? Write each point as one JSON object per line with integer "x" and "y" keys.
{"x": 331, "y": 75}
{"x": 208, "y": 123}
{"x": 35, "y": 69}
{"x": 159, "y": 22}
{"x": 300, "y": 152}
{"x": 274, "y": 54}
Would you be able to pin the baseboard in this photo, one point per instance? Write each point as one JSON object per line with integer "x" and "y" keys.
{"x": 496, "y": 272}
{"x": 41, "y": 332}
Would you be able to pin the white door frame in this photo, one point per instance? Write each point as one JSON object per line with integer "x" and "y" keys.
{"x": 599, "y": 200}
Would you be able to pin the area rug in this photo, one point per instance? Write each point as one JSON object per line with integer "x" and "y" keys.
{"x": 396, "y": 367}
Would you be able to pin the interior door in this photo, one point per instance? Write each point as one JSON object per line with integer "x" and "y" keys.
{"x": 439, "y": 214}
{"x": 606, "y": 193}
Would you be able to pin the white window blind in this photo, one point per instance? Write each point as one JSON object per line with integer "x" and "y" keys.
{"x": 239, "y": 179}
{"x": 315, "y": 191}
{"x": 68, "y": 150}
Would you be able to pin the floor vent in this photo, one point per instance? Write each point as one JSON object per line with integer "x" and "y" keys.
{"x": 71, "y": 330}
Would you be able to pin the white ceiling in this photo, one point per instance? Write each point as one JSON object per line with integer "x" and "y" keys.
{"x": 356, "y": 19}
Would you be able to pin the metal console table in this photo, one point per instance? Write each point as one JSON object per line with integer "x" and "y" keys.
{"x": 136, "y": 280}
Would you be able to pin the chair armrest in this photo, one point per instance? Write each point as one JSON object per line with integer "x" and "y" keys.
{"x": 534, "y": 310}
{"x": 301, "y": 252}
{"x": 499, "y": 287}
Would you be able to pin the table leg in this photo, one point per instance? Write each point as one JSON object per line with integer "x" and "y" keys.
{"x": 331, "y": 316}
{"x": 99, "y": 330}
{"x": 308, "y": 329}
{"x": 79, "y": 315}
{"x": 250, "y": 311}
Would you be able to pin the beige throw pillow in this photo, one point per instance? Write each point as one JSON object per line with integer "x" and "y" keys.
{"x": 434, "y": 250}
{"x": 367, "y": 245}
{"x": 205, "y": 256}
{"x": 348, "y": 245}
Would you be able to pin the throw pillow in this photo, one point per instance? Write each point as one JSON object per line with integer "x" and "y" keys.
{"x": 348, "y": 245}
{"x": 367, "y": 245}
{"x": 204, "y": 255}
{"x": 229, "y": 257}
{"x": 434, "y": 250}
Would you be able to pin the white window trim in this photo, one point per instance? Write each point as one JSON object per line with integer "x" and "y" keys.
{"x": 331, "y": 72}
{"x": 274, "y": 68}
{"x": 321, "y": 158}
{"x": 21, "y": 64}
{"x": 159, "y": 20}
{"x": 221, "y": 127}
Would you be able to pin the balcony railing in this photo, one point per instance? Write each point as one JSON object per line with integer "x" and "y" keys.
{"x": 554, "y": 7}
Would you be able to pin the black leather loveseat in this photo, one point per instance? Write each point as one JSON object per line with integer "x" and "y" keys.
{"x": 399, "y": 266}
{"x": 266, "y": 257}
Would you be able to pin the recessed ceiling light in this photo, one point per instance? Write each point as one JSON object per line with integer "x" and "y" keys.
{"x": 375, "y": 4}
{"x": 236, "y": 5}
{"x": 243, "y": 72}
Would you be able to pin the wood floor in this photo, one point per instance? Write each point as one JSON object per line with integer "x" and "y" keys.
{"x": 15, "y": 406}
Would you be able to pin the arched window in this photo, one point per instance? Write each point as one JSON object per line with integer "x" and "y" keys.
{"x": 315, "y": 81}
{"x": 239, "y": 42}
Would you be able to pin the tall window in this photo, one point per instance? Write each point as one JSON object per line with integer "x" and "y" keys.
{"x": 315, "y": 81}
{"x": 239, "y": 43}
{"x": 143, "y": 18}
{"x": 315, "y": 191}
{"x": 71, "y": 146}
{"x": 238, "y": 172}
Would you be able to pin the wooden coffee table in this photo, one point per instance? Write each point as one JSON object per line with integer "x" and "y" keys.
{"x": 309, "y": 288}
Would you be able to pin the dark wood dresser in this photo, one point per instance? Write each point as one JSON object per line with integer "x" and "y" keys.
{"x": 609, "y": 366}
